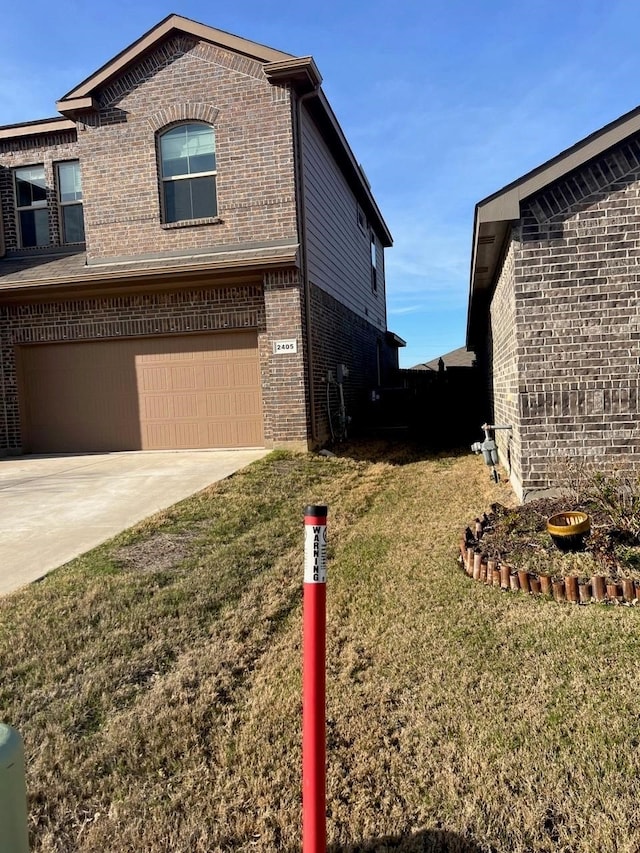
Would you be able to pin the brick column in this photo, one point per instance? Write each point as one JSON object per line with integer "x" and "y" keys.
{"x": 9, "y": 415}
{"x": 284, "y": 385}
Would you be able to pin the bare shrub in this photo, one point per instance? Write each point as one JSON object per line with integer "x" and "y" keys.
{"x": 614, "y": 498}
{"x": 572, "y": 476}
{"x": 617, "y": 496}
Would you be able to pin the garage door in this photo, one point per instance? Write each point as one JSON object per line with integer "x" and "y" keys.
{"x": 142, "y": 394}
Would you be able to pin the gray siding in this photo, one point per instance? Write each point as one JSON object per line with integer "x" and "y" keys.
{"x": 339, "y": 255}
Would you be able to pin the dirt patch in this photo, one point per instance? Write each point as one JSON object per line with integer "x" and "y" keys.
{"x": 162, "y": 552}
{"x": 518, "y": 536}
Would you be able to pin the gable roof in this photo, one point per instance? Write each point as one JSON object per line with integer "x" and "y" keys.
{"x": 460, "y": 357}
{"x": 495, "y": 214}
{"x": 81, "y": 96}
{"x": 279, "y": 67}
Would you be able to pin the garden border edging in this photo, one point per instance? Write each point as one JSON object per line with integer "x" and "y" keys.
{"x": 491, "y": 571}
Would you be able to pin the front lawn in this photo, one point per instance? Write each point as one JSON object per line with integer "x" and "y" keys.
{"x": 156, "y": 680}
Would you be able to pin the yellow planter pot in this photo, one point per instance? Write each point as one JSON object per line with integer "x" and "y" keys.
{"x": 568, "y": 529}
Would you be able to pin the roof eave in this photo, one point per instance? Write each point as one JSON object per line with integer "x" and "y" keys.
{"x": 36, "y": 128}
{"x": 495, "y": 214}
{"x": 337, "y": 141}
{"x": 394, "y": 340}
{"x": 168, "y": 271}
{"x": 301, "y": 71}
{"x": 72, "y": 107}
{"x": 488, "y": 246}
{"x": 152, "y": 37}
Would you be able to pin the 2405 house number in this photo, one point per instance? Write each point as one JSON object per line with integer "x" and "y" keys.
{"x": 282, "y": 347}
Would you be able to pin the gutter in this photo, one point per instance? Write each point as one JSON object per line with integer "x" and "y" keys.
{"x": 112, "y": 274}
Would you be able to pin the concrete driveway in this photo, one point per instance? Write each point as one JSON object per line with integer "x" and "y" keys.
{"x": 53, "y": 508}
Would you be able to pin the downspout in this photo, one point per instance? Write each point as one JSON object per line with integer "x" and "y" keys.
{"x": 302, "y": 229}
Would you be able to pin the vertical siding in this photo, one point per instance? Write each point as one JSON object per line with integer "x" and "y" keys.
{"x": 339, "y": 253}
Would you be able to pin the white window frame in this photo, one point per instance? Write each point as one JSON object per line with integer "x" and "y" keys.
{"x": 374, "y": 263}
{"x": 42, "y": 204}
{"x": 77, "y": 202}
{"x": 165, "y": 179}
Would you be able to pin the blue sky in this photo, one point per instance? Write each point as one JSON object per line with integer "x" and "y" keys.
{"x": 443, "y": 102}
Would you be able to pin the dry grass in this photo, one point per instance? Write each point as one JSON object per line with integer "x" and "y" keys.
{"x": 160, "y": 698}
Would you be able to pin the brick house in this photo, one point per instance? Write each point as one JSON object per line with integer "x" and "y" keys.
{"x": 554, "y": 308}
{"x": 185, "y": 253}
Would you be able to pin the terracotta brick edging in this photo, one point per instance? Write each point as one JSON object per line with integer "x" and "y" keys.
{"x": 576, "y": 590}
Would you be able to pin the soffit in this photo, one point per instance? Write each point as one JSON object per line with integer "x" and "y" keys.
{"x": 36, "y": 128}
{"x": 495, "y": 214}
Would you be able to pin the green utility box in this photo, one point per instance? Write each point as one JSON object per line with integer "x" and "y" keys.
{"x": 14, "y": 835}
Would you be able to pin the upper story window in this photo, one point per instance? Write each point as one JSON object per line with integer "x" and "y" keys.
{"x": 188, "y": 172}
{"x": 374, "y": 271}
{"x": 70, "y": 201}
{"x": 31, "y": 206}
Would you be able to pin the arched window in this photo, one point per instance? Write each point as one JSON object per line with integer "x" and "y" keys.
{"x": 188, "y": 172}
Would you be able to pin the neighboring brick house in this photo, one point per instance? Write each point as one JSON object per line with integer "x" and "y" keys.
{"x": 554, "y": 308}
{"x": 185, "y": 254}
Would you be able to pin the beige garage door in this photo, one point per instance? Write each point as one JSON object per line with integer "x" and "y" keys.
{"x": 142, "y": 394}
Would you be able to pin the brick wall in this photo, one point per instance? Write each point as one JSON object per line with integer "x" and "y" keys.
{"x": 31, "y": 151}
{"x": 577, "y": 319}
{"x": 182, "y": 80}
{"x": 341, "y": 336}
{"x": 186, "y": 79}
{"x": 503, "y": 358}
{"x": 284, "y": 374}
{"x": 178, "y": 312}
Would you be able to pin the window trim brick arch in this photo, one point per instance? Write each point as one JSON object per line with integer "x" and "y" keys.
{"x": 183, "y": 113}
{"x": 165, "y": 120}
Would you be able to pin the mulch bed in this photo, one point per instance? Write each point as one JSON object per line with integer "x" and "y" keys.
{"x": 513, "y": 544}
